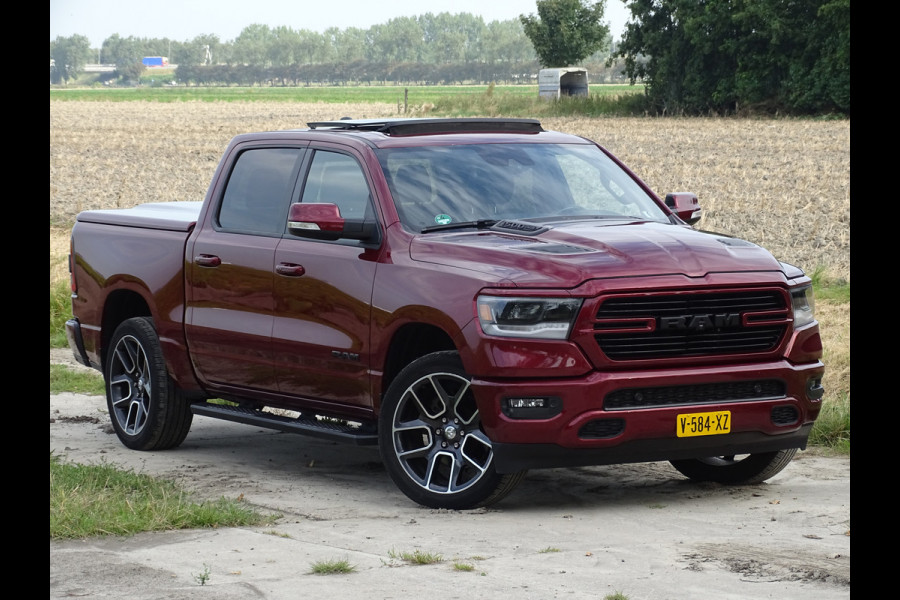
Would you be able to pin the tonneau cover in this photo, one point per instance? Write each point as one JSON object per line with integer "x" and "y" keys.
{"x": 174, "y": 216}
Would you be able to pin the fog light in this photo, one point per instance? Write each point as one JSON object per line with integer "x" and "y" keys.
{"x": 539, "y": 407}
{"x": 527, "y": 402}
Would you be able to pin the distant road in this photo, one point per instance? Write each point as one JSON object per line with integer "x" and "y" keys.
{"x": 99, "y": 68}
{"x": 111, "y": 68}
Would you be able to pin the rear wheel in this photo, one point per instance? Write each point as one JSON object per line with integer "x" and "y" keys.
{"x": 147, "y": 410}
{"x": 736, "y": 469}
{"x": 431, "y": 440}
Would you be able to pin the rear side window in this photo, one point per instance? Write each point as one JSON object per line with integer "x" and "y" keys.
{"x": 259, "y": 190}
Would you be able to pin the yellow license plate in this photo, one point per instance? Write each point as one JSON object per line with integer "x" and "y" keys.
{"x": 707, "y": 423}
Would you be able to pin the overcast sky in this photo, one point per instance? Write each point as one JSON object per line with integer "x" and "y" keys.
{"x": 183, "y": 20}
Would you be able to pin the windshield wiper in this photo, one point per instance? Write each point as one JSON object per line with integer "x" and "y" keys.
{"x": 479, "y": 224}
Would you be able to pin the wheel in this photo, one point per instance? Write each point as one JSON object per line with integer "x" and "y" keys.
{"x": 431, "y": 440}
{"x": 738, "y": 469}
{"x": 147, "y": 410}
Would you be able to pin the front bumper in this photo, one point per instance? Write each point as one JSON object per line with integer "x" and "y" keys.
{"x": 586, "y": 431}
{"x": 512, "y": 458}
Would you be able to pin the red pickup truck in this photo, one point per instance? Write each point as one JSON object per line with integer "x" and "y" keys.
{"x": 478, "y": 297}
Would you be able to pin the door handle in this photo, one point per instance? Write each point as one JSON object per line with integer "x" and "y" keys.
{"x": 290, "y": 269}
{"x": 208, "y": 260}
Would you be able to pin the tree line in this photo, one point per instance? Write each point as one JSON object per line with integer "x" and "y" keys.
{"x": 427, "y": 39}
{"x": 693, "y": 56}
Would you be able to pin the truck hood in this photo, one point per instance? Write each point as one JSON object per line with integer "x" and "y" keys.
{"x": 566, "y": 255}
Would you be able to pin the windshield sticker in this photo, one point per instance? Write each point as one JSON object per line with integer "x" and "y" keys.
{"x": 443, "y": 219}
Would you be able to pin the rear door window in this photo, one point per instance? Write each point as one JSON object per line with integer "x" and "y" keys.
{"x": 259, "y": 190}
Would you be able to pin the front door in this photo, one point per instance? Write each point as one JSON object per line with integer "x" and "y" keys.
{"x": 323, "y": 291}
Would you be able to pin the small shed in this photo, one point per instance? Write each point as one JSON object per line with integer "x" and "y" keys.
{"x": 569, "y": 81}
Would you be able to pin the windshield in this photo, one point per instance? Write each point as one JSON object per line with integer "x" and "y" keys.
{"x": 478, "y": 183}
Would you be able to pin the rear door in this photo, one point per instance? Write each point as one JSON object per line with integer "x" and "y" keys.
{"x": 230, "y": 279}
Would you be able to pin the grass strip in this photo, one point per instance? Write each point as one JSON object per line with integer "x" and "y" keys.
{"x": 101, "y": 499}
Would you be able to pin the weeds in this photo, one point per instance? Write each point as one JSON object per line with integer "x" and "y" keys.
{"x": 607, "y": 101}
{"x": 332, "y": 567}
{"x": 203, "y": 576}
{"x": 417, "y": 557}
{"x": 830, "y": 290}
{"x": 60, "y": 312}
{"x": 277, "y": 534}
{"x": 832, "y": 428}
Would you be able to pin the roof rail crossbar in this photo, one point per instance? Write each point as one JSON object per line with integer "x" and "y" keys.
{"x": 422, "y": 126}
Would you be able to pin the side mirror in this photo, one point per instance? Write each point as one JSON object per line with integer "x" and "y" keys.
{"x": 685, "y": 205}
{"x": 319, "y": 221}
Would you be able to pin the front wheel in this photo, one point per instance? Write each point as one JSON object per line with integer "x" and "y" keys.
{"x": 737, "y": 469}
{"x": 147, "y": 410}
{"x": 431, "y": 440}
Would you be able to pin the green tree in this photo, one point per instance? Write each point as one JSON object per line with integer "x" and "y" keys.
{"x": 203, "y": 49}
{"x": 131, "y": 72}
{"x": 727, "y": 55}
{"x": 820, "y": 79}
{"x": 310, "y": 47}
{"x": 565, "y": 32}
{"x": 505, "y": 41}
{"x": 399, "y": 40}
{"x": 282, "y": 45}
{"x": 122, "y": 52}
{"x": 349, "y": 45}
{"x": 126, "y": 54}
{"x": 251, "y": 46}
{"x": 69, "y": 55}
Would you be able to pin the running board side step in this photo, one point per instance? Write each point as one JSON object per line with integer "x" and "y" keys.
{"x": 362, "y": 435}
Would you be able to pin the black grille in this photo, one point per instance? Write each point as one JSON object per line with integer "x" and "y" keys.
{"x": 676, "y": 395}
{"x": 691, "y": 324}
{"x": 785, "y": 415}
{"x": 599, "y": 429}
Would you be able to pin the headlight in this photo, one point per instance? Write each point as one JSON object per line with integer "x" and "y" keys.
{"x": 803, "y": 305}
{"x": 539, "y": 318}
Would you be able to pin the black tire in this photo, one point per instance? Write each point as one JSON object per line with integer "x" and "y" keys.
{"x": 740, "y": 469}
{"x": 147, "y": 410}
{"x": 431, "y": 440}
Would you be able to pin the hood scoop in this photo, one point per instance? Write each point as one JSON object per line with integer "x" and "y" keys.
{"x": 531, "y": 229}
{"x": 552, "y": 248}
{"x": 734, "y": 242}
{"x": 520, "y": 227}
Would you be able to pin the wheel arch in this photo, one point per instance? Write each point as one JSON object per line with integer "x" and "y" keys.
{"x": 409, "y": 342}
{"x": 124, "y": 303}
{"x": 120, "y": 305}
